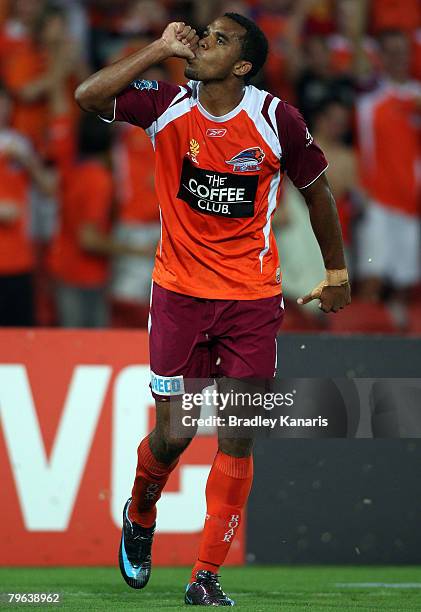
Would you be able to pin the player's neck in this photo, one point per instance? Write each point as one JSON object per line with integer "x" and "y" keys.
{"x": 220, "y": 98}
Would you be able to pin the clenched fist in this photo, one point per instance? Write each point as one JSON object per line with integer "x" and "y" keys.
{"x": 180, "y": 40}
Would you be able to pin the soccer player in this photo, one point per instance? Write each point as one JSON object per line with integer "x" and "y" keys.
{"x": 222, "y": 148}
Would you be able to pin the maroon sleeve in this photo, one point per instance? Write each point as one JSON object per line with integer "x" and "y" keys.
{"x": 144, "y": 101}
{"x": 302, "y": 159}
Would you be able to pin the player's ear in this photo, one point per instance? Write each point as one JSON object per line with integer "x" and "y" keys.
{"x": 242, "y": 68}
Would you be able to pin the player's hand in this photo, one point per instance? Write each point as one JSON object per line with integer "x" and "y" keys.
{"x": 17, "y": 153}
{"x": 9, "y": 212}
{"x": 180, "y": 40}
{"x": 332, "y": 297}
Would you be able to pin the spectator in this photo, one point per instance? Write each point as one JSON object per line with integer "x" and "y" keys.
{"x": 282, "y": 21}
{"x": 138, "y": 221}
{"x": 19, "y": 165}
{"x": 352, "y": 51}
{"x": 81, "y": 249}
{"x": 331, "y": 124}
{"x": 301, "y": 263}
{"x": 21, "y": 62}
{"x": 318, "y": 83}
{"x": 29, "y": 44}
{"x": 389, "y": 234}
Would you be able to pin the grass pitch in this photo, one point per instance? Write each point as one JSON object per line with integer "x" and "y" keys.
{"x": 254, "y": 588}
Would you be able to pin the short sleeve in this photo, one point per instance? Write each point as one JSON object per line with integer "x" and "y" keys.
{"x": 143, "y": 102}
{"x": 302, "y": 158}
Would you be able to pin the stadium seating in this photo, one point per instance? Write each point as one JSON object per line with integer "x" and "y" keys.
{"x": 362, "y": 317}
{"x": 298, "y": 319}
{"x": 414, "y": 318}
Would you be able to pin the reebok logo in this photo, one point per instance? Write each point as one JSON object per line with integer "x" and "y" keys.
{"x": 215, "y": 132}
{"x": 233, "y": 524}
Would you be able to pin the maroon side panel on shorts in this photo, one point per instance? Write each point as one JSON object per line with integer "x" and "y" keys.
{"x": 177, "y": 339}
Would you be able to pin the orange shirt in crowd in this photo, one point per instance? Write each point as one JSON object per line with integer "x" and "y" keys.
{"x": 341, "y": 53}
{"x": 21, "y": 62}
{"x": 396, "y": 14}
{"x": 135, "y": 177}
{"x": 16, "y": 255}
{"x": 389, "y": 145}
{"x": 85, "y": 197}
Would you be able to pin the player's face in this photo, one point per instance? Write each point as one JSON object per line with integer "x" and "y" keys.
{"x": 219, "y": 52}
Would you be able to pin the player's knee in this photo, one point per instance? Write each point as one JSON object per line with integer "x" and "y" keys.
{"x": 167, "y": 447}
{"x": 241, "y": 447}
{"x": 175, "y": 444}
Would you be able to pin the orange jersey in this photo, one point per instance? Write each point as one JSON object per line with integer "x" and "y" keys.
{"x": 86, "y": 198}
{"x": 86, "y": 193}
{"x": 16, "y": 253}
{"x": 218, "y": 181}
{"x": 22, "y": 61}
{"x": 397, "y": 15}
{"x": 389, "y": 145}
{"x": 134, "y": 163}
{"x": 342, "y": 53}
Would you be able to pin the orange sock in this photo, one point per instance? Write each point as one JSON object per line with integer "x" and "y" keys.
{"x": 151, "y": 478}
{"x": 227, "y": 490}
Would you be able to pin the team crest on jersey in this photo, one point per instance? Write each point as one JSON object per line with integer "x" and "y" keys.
{"x": 194, "y": 150}
{"x": 145, "y": 84}
{"x": 248, "y": 160}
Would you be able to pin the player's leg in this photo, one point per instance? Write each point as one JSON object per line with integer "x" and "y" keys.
{"x": 403, "y": 237}
{"x": 178, "y": 351}
{"x": 158, "y": 455}
{"x": 372, "y": 252}
{"x": 246, "y": 359}
{"x": 227, "y": 490}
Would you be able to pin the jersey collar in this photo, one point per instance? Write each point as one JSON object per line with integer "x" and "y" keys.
{"x": 229, "y": 115}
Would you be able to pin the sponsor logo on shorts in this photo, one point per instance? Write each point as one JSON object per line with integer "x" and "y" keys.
{"x": 309, "y": 138}
{"x": 216, "y": 193}
{"x": 216, "y": 132}
{"x": 167, "y": 385}
{"x": 144, "y": 84}
{"x": 248, "y": 160}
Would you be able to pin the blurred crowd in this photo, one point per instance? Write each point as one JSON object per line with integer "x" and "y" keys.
{"x": 79, "y": 220}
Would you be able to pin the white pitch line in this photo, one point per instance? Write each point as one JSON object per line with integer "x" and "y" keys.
{"x": 384, "y": 585}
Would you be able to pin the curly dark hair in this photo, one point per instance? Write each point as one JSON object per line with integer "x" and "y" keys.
{"x": 255, "y": 45}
